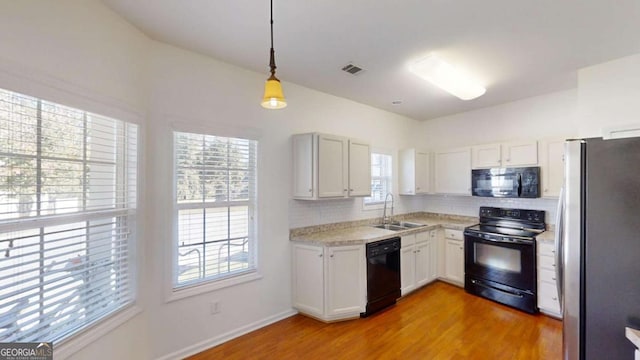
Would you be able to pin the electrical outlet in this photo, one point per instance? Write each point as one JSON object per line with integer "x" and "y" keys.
{"x": 215, "y": 307}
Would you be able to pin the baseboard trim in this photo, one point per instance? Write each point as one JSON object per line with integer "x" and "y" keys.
{"x": 204, "y": 345}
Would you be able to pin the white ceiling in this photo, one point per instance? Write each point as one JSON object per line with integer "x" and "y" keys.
{"x": 518, "y": 48}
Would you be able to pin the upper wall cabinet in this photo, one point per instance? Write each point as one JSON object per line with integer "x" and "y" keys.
{"x": 415, "y": 172}
{"x": 513, "y": 154}
{"x": 552, "y": 166}
{"x": 522, "y": 153}
{"x": 486, "y": 156}
{"x": 453, "y": 171}
{"x": 329, "y": 166}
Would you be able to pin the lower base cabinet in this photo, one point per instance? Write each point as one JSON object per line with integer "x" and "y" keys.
{"x": 329, "y": 282}
{"x": 454, "y": 256}
{"x": 547, "y": 286}
{"x": 418, "y": 260}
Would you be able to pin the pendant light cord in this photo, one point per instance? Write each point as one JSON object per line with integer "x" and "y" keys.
{"x": 272, "y": 61}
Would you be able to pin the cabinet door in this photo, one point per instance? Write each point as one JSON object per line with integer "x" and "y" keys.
{"x": 303, "y": 164}
{"x": 523, "y": 153}
{"x": 333, "y": 159}
{"x": 454, "y": 262}
{"x": 423, "y": 185}
{"x": 407, "y": 269}
{"x": 346, "y": 280}
{"x": 359, "y": 168}
{"x": 552, "y": 167}
{"x": 486, "y": 156}
{"x": 453, "y": 171}
{"x": 308, "y": 279}
{"x": 423, "y": 263}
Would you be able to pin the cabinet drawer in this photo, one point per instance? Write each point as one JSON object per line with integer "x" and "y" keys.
{"x": 547, "y": 262}
{"x": 548, "y": 297}
{"x": 422, "y": 236}
{"x": 407, "y": 240}
{"x": 547, "y": 275}
{"x": 547, "y": 249}
{"x": 453, "y": 234}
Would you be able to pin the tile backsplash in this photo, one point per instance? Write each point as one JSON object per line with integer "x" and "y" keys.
{"x": 309, "y": 213}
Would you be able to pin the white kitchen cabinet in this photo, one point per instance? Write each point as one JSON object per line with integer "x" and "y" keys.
{"x": 359, "y": 168}
{"x": 330, "y": 166}
{"x": 453, "y": 171}
{"x": 333, "y": 166}
{"x": 417, "y": 260}
{"x": 512, "y": 154}
{"x": 520, "y": 153}
{"x": 454, "y": 256}
{"x": 329, "y": 282}
{"x": 308, "y": 279}
{"x": 486, "y": 156}
{"x": 415, "y": 172}
{"x": 548, "y": 302}
{"x": 552, "y": 167}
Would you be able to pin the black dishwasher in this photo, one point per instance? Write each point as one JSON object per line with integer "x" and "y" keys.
{"x": 383, "y": 274}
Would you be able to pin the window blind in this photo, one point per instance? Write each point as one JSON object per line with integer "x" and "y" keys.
{"x": 67, "y": 207}
{"x": 215, "y": 192}
{"x": 381, "y": 178}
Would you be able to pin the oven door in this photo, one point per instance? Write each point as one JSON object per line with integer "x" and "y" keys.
{"x": 511, "y": 263}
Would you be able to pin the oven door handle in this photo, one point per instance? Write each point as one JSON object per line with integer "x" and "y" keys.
{"x": 481, "y": 284}
{"x": 514, "y": 241}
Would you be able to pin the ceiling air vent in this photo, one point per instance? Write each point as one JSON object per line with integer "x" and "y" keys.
{"x": 352, "y": 69}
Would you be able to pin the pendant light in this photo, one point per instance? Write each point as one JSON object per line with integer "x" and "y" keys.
{"x": 273, "y": 97}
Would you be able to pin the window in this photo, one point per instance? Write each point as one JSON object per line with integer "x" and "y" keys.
{"x": 381, "y": 178}
{"x": 67, "y": 207}
{"x": 215, "y": 189}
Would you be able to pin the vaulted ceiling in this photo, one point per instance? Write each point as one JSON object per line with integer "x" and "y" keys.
{"x": 517, "y": 49}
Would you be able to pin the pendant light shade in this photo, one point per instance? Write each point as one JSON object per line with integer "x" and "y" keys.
{"x": 273, "y": 96}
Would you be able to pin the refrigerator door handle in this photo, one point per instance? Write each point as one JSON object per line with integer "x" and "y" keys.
{"x": 558, "y": 246}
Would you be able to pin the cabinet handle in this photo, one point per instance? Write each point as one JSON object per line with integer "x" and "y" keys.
{"x": 546, "y": 190}
{"x": 554, "y": 279}
{"x": 345, "y": 190}
{"x": 461, "y": 248}
{"x": 417, "y": 188}
{"x": 554, "y": 298}
{"x": 350, "y": 189}
{"x": 331, "y": 255}
{"x": 320, "y": 255}
{"x": 310, "y": 190}
{"x": 508, "y": 160}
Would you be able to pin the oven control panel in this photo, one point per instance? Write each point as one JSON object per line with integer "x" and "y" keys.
{"x": 532, "y": 216}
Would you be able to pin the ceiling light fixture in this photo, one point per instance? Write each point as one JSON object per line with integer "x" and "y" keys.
{"x": 445, "y": 76}
{"x": 273, "y": 97}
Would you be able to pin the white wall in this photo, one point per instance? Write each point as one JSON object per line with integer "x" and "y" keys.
{"x": 80, "y": 53}
{"x": 609, "y": 95}
{"x": 203, "y": 94}
{"x": 547, "y": 116}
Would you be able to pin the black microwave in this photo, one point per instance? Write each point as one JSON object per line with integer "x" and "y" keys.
{"x": 506, "y": 182}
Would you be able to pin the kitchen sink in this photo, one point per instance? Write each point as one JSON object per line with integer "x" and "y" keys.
{"x": 410, "y": 225}
{"x": 390, "y": 227}
{"x": 399, "y": 226}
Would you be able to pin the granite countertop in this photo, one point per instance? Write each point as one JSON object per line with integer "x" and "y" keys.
{"x": 362, "y": 232}
{"x": 634, "y": 336}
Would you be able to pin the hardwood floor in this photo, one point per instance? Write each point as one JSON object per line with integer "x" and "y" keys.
{"x": 440, "y": 321}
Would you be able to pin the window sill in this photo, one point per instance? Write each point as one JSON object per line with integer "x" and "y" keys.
{"x": 201, "y": 288}
{"x": 84, "y": 337}
{"x": 373, "y": 206}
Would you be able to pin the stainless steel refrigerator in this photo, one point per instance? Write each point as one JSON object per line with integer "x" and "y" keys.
{"x": 599, "y": 248}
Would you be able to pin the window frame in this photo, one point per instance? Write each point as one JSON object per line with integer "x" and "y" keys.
{"x": 376, "y": 205}
{"x": 80, "y": 336}
{"x": 173, "y": 293}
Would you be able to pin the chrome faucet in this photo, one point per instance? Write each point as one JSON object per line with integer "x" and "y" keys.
{"x": 385, "y": 219}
